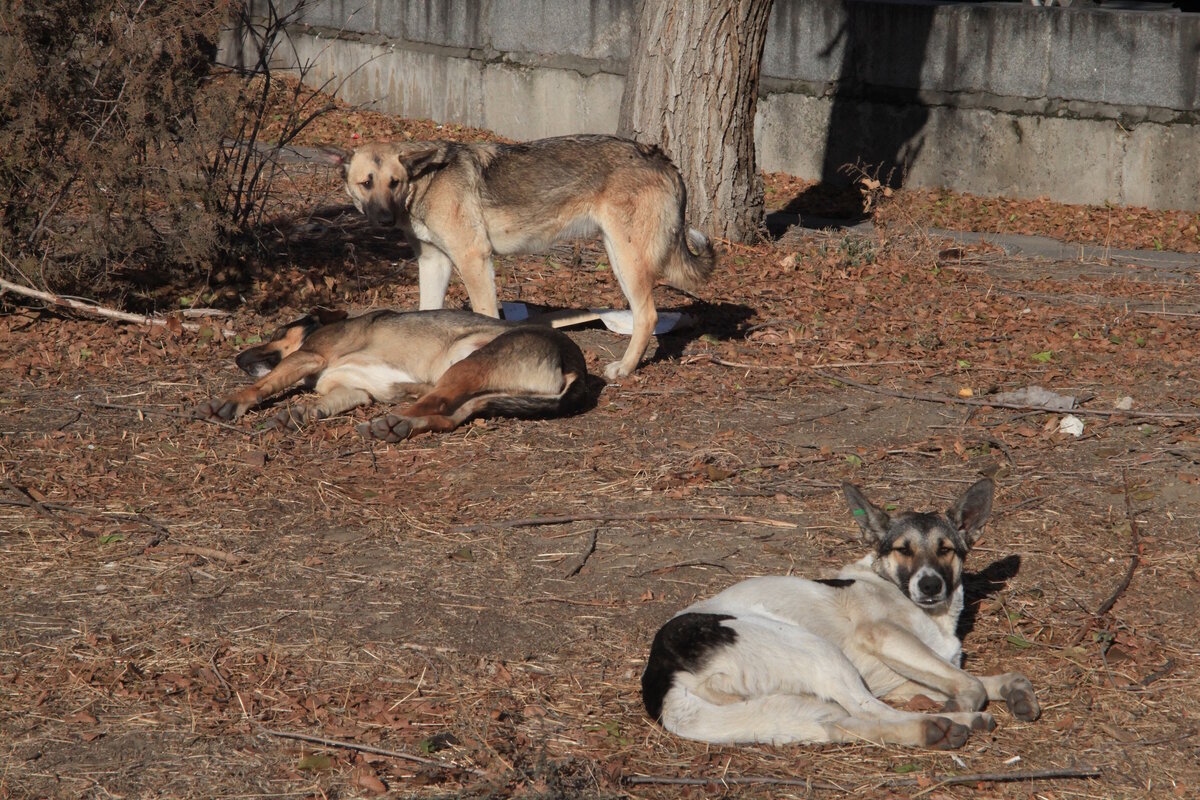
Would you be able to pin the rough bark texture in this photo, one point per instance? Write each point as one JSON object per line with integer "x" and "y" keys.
{"x": 692, "y": 89}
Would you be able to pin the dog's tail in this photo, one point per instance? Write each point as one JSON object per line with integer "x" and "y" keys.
{"x": 533, "y": 406}
{"x": 692, "y": 257}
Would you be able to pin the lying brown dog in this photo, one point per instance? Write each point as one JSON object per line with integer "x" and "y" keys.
{"x": 463, "y": 364}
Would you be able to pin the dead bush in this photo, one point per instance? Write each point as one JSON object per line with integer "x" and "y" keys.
{"x": 118, "y": 146}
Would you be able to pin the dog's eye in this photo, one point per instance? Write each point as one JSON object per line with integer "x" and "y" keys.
{"x": 945, "y": 550}
{"x": 394, "y": 183}
{"x": 368, "y": 183}
{"x": 903, "y": 550}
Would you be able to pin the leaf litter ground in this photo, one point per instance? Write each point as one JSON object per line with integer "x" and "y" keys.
{"x": 176, "y": 593}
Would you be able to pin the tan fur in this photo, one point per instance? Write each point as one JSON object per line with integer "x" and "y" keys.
{"x": 460, "y": 204}
{"x": 464, "y": 364}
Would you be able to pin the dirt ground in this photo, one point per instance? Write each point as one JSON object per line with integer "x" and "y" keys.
{"x": 478, "y": 605}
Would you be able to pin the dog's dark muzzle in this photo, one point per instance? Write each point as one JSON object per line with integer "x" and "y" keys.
{"x": 927, "y": 587}
{"x": 380, "y": 214}
{"x": 931, "y": 585}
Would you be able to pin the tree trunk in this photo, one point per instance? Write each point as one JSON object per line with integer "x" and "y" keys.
{"x": 692, "y": 89}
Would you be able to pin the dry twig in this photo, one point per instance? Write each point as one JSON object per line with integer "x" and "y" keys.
{"x": 90, "y": 307}
{"x": 937, "y": 780}
{"x": 999, "y": 777}
{"x": 576, "y": 563}
{"x": 166, "y": 412}
{"x": 379, "y": 751}
{"x": 653, "y": 516}
{"x": 1134, "y": 560}
{"x": 25, "y": 498}
{"x": 742, "y": 780}
{"x": 193, "y": 550}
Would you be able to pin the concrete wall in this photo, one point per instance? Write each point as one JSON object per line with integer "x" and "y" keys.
{"x": 1083, "y": 106}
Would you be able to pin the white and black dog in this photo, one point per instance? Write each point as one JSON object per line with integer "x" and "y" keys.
{"x": 784, "y": 659}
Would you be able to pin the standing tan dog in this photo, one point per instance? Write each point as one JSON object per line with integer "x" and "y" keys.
{"x": 460, "y": 204}
{"x": 465, "y": 364}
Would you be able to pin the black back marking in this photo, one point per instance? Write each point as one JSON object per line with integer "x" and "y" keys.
{"x": 685, "y": 643}
{"x": 837, "y": 583}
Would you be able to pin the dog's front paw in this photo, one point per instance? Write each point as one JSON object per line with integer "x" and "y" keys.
{"x": 977, "y": 721}
{"x": 388, "y": 428}
{"x": 616, "y": 370}
{"x": 1021, "y": 700}
{"x": 224, "y": 408}
{"x": 970, "y": 698}
{"x": 982, "y": 721}
{"x": 944, "y": 734}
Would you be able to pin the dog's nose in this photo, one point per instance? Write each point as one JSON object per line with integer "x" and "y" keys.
{"x": 380, "y": 214}
{"x": 930, "y": 585}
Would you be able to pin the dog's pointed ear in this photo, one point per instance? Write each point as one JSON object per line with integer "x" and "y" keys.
{"x": 873, "y": 520}
{"x": 431, "y": 156}
{"x": 335, "y": 155}
{"x": 328, "y": 316}
{"x": 971, "y": 510}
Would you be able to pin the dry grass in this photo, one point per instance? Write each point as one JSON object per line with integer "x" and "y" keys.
{"x": 174, "y": 590}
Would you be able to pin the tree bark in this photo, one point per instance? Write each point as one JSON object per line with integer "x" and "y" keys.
{"x": 692, "y": 89}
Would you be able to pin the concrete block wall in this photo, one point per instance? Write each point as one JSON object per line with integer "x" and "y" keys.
{"x": 1082, "y": 106}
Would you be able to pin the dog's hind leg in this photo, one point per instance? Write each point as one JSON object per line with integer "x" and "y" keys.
{"x": 636, "y": 276}
{"x": 782, "y": 718}
{"x": 741, "y": 695}
{"x": 436, "y": 413}
{"x": 519, "y": 374}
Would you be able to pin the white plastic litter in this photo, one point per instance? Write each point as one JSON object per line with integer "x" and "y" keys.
{"x": 622, "y": 321}
{"x": 1071, "y": 424}
{"x": 616, "y": 320}
{"x": 1036, "y": 396}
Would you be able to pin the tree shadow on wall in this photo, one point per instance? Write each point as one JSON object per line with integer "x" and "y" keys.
{"x": 877, "y": 117}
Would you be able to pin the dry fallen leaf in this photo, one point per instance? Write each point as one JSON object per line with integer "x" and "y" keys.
{"x": 365, "y": 778}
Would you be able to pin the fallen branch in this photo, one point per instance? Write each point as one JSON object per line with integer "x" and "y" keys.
{"x": 937, "y": 780}
{"x": 742, "y": 780}
{"x": 998, "y": 777}
{"x": 192, "y": 550}
{"x": 366, "y": 748}
{"x": 50, "y": 510}
{"x": 26, "y": 498}
{"x": 576, "y": 563}
{"x": 983, "y": 401}
{"x": 681, "y": 564}
{"x": 653, "y": 516}
{"x": 1134, "y": 560}
{"x": 570, "y": 602}
{"x": 165, "y": 412}
{"x": 90, "y": 307}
